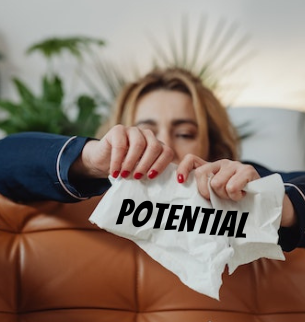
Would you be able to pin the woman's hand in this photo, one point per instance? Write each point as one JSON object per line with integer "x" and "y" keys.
{"x": 228, "y": 178}
{"x": 123, "y": 151}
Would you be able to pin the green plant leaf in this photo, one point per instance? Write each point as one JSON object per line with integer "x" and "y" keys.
{"x": 34, "y": 112}
{"x": 9, "y": 106}
{"x": 7, "y": 127}
{"x": 52, "y": 89}
{"x": 88, "y": 120}
{"x": 47, "y": 111}
{"x": 24, "y": 92}
{"x": 74, "y": 45}
{"x": 86, "y": 104}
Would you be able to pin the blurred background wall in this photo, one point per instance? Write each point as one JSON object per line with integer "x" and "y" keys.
{"x": 274, "y": 76}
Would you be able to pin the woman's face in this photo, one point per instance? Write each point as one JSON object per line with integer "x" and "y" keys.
{"x": 171, "y": 117}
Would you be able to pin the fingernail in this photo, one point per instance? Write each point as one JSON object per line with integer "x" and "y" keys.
{"x": 180, "y": 178}
{"x": 125, "y": 174}
{"x": 138, "y": 175}
{"x": 115, "y": 174}
{"x": 152, "y": 174}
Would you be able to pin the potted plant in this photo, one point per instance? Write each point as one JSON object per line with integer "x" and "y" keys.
{"x": 48, "y": 111}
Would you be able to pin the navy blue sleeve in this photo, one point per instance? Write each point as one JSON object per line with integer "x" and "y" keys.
{"x": 35, "y": 166}
{"x": 291, "y": 237}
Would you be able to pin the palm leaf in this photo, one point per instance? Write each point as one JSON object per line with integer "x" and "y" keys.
{"x": 215, "y": 54}
{"x": 160, "y": 52}
{"x": 184, "y": 41}
{"x": 200, "y": 36}
{"x": 211, "y": 58}
{"x": 111, "y": 78}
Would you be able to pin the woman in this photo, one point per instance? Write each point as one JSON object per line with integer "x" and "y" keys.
{"x": 187, "y": 117}
{"x": 167, "y": 115}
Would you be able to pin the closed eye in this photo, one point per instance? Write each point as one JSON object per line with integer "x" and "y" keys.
{"x": 185, "y": 136}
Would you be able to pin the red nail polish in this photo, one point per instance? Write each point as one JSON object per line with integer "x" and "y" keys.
{"x": 115, "y": 174}
{"x": 138, "y": 175}
{"x": 125, "y": 174}
{"x": 152, "y": 174}
{"x": 180, "y": 178}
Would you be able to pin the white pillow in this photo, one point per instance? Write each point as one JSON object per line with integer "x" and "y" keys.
{"x": 276, "y": 136}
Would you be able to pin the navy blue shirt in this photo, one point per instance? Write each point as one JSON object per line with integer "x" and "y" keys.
{"x": 35, "y": 166}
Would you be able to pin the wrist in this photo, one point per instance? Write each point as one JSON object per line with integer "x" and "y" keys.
{"x": 288, "y": 213}
{"x": 82, "y": 166}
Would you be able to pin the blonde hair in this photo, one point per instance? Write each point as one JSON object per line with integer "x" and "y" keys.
{"x": 213, "y": 121}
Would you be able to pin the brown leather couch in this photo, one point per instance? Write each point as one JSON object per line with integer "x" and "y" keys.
{"x": 56, "y": 266}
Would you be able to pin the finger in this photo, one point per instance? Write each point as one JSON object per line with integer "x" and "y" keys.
{"x": 136, "y": 148}
{"x": 161, "y": 162}
{"x": 155, "y": 157}
{"x": 189, "y": 163}
{"x": 117, "y": 144}
{"x": 221, "y": 178}
{"x": 236, "y": 184}
{"x": 202, "y": 179}
{"x": 205, "y": 173}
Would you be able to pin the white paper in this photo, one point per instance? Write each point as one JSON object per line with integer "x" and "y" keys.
{"x": 263, "y": 201}
{"x": 198, "y": 259}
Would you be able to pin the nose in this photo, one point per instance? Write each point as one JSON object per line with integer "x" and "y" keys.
{"x": 166, "y": 139}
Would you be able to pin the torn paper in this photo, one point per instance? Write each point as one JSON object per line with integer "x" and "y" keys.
{"x": 193, "y": 237}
